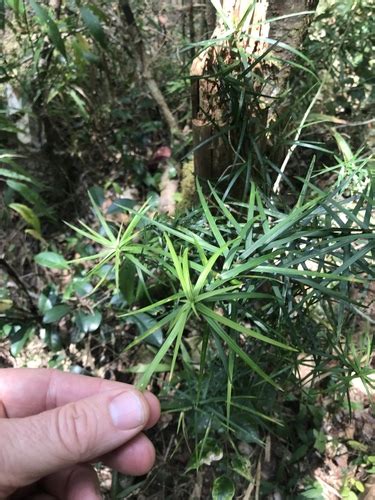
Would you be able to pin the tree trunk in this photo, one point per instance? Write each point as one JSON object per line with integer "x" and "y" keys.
{"x": 145, "y": 71}
{"x": 210, "y": 16}
{"x": 215, "y": 148}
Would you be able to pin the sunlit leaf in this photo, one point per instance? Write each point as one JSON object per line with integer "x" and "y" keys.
{"x": 223, "y": 489}
{"x": 28, "y": 215}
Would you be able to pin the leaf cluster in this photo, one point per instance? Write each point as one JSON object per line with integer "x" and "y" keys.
{"x": 247, "y": 277}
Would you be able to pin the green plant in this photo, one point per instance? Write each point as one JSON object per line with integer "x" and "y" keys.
{"x": 218, "y": 308}
{"x": 351, "y": 488}
{"x": 340, "y": 37}
{"x": 20, "y": 183}
{"x": 295, "y": 268}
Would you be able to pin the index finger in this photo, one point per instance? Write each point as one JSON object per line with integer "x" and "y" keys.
{"x": 29, "y": 391}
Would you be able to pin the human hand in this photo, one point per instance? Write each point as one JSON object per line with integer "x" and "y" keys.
{"x": 54, "y": 424}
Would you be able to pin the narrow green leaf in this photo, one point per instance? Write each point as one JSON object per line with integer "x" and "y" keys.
{"x": 29, "y": 194}
{"x": 231, "y": 361}
{"x": 226, "y": 19}
{"x": 35, "y": 234}
{"x": 225, "y": 210}
{"x": 186, "y": 273}
{"x": 81, "y": 105}
{"x": 206, "y": 271}
{"x": 102, "y": 221}
{"x": 262, "y": 213}
{"x": 178, "y": 265}
{"x": 28, "y": 215}
{"x": 181, "y": 233}
{"x": 232, "y": 345}
{"x": 45, "y": 19}
{"x": 210, "y": 219}
{"x": 155, "y": 306}
{"x": 180, "y": 324}
{"x": 344, "y": 147}
{"x": 288, "y": 222}
{"x": 137, "y": 217}
{"x": 10, "y": 174}
{"x": 93, "y": 24}
{"x": 284, "y": 46}
{"x": 138, "y": 264}
{"x": 250, "y": 215}
{"x": 234, "y": 296}
{"x": 304, "y": 272}
{"x": 142, "y": 367}
{"x": 213, "y": 294}
{"x": 247, "y": 17}
{"x": 90, "y": 234}
{"x": 209, "y": 313}
{"x": 251, "y": 264}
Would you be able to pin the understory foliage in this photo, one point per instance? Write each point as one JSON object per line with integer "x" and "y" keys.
{"x": 238, "y": 311}
{"x": 231, "y": 300}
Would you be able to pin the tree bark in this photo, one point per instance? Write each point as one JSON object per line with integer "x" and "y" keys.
{"x": 214, "y": 153}
{"x": 210, "y": 16}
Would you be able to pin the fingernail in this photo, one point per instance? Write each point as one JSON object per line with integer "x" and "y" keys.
{"x": 127, "y": 411}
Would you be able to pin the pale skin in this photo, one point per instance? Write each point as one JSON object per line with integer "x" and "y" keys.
{"x": 53, "y": 425}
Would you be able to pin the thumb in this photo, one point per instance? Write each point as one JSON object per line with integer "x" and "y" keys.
{"x": 36, "y": 446}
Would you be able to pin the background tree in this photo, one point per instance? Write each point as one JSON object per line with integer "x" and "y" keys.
{"x": 256, "y": 45}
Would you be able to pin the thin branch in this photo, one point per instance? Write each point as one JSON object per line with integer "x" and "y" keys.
{"x": 356, "y": 124}
{"x": 145, "y": 70}
{"x": 13, "y": 274}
